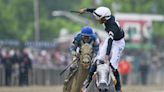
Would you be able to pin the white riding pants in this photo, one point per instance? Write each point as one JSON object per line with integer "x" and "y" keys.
{"x": 116, "y": 51}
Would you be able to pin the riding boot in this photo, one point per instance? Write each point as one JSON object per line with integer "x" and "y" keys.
{"x": 118, "y": 84}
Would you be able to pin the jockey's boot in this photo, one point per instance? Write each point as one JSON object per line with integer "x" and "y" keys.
{"x": 118, "y": 84}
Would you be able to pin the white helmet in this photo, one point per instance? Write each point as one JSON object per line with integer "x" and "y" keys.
{"x": 101, "y": 12}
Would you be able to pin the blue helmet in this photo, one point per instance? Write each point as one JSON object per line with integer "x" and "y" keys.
{"x": 86, "y": 31}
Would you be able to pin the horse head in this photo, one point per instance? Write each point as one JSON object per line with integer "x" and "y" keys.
{"x": 103, "y": 77}
{"x": 86, "y": 55}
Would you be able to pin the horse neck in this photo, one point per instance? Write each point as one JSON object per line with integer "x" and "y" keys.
{"x": 80, "y": 76}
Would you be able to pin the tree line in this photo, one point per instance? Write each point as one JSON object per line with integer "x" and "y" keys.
{"x": 17, "y": 16}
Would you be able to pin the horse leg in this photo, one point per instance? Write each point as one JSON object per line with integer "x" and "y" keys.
{"x": 68, "y": 83}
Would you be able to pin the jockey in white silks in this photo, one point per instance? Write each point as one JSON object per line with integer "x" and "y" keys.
{"x": 112, "y": 46}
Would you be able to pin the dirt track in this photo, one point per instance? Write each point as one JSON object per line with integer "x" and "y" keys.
{"x": 59, "y": 89}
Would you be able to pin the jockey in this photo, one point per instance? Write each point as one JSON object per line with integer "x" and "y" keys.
{"x": 112, "y": 46}
{"x": 85, "y": 36}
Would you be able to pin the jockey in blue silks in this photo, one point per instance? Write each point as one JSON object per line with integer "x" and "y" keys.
{"x": 85, "y": 36}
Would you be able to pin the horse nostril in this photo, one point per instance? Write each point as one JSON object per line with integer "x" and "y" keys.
{"x": 85, "y": 62}
{"x": 100, "y": 89}
{"x": 103, "y": 90}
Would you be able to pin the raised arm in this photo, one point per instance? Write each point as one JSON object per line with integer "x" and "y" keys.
{"x": 83, "y": 10}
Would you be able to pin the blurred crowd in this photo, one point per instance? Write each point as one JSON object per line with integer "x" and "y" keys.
{"x": 142, "y": 67}
{"x": 136, "y": 66}
{"x": 19, "y": 63}
{"x": 15, "y": 63}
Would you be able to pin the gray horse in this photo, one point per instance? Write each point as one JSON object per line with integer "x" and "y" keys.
{"x": 103, "y": 81}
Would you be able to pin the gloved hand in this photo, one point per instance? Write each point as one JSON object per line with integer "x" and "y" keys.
{"x": 82, "y": 10}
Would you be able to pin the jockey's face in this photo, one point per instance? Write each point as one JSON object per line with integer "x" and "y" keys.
{"x": 101, "y": 21}
{"x": 86, "y": 38}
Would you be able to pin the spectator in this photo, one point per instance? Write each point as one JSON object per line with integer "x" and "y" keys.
{"x": 24, "y": 69}
{"x": 143, "y": 69}
{"x": 15, "y": 74}
{"x": 125, "y": 69}
{"x": 7, "y": 63}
